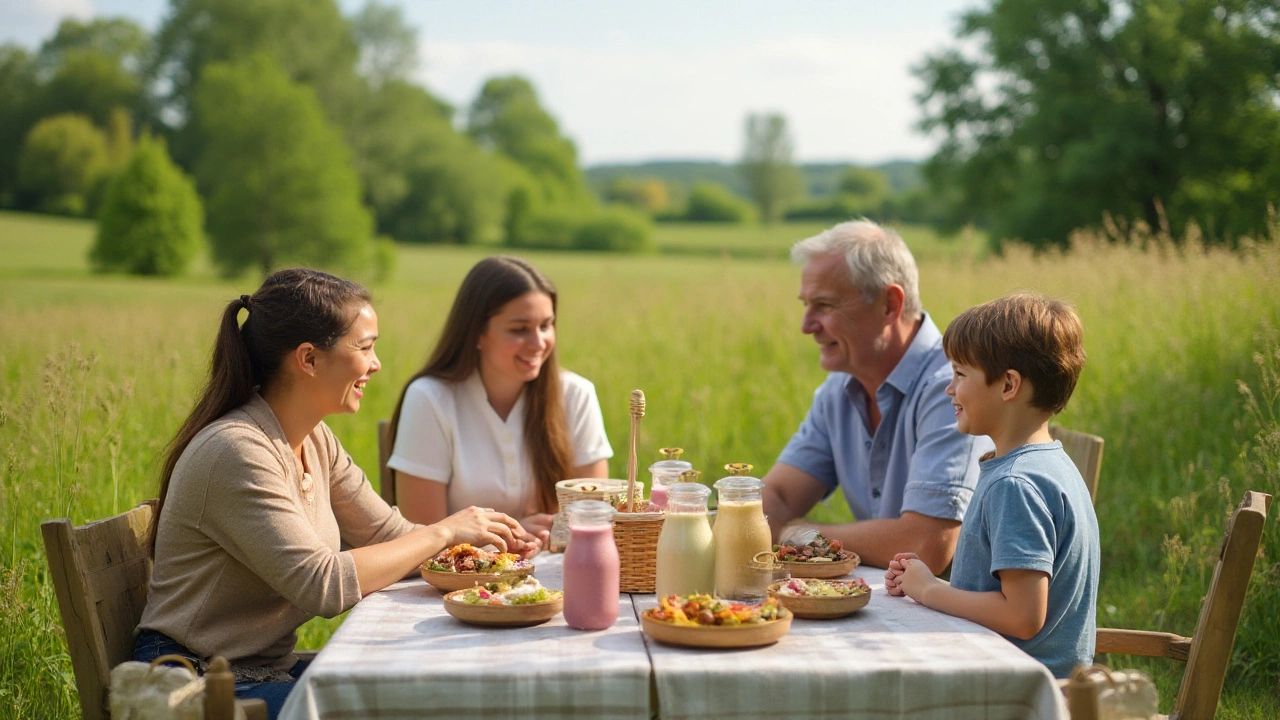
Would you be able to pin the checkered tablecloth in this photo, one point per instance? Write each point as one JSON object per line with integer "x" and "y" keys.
{"x": 892, "y": 659}
{"x": 400, "y": 655}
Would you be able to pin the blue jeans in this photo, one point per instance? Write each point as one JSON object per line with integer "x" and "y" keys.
{"x": 152, "y": 644}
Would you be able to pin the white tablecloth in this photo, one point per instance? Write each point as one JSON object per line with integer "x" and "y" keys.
{"x": 400, "y": 655}
{"x": 891, "y": 659}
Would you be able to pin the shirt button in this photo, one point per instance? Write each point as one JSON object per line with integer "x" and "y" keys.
{"x": 875, "y": 492}
{"x": 868, "y": 444}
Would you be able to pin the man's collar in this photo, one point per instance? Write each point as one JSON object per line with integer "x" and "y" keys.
{"x": 905, "y": 374}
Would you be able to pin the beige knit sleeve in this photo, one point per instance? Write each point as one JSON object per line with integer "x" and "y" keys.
{"x": 249, "y": 511}
{"x": 363, "y": 516}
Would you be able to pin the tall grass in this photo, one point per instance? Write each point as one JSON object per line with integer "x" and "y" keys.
{"x": 99, "y": 371}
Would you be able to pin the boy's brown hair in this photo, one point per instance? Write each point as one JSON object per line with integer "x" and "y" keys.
{"x": 1042, "y": 338}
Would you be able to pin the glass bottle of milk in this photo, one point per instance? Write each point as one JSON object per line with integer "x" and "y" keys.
{"x": 740, "y": 531}
{"x": 686, "y": 547}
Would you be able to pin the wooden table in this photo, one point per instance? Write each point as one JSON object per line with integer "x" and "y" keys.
{"x": 400, "y": 655}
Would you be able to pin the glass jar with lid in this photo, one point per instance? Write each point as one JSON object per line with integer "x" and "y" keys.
{"x": 664, "y": 474}
{"x": 741, "y": 531}
{"x": 686, "y": 547}
{"x": 592, "y": 573}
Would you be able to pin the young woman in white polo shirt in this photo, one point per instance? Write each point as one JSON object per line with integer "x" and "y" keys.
{"x": 492, "y": 420}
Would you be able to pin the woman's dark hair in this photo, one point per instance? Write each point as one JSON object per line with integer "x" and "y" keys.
{"x": 292, "y": 307}
{"x": 490, "y": 285}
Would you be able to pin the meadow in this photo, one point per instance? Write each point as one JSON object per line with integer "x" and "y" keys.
{"x": 1183, "y": 382}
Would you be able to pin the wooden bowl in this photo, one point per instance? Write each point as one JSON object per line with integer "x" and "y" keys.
{"x": 823, "y": 570}
{"x": 820, "y": 608}
{"x": 502, "y": 615}
{"x": 450, "y": 581}
{"x": 716, "y": 636}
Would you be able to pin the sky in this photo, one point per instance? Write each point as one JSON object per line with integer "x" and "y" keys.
{"x": 660, "y": 79}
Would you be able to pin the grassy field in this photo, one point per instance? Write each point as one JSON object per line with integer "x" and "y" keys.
{"x": 99, "y": 370}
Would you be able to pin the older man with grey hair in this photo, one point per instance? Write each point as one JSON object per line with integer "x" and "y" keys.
{"x": 881, "y": 428}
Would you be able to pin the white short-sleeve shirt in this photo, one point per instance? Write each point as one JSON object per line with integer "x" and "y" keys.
{"x": 449, "y": 433}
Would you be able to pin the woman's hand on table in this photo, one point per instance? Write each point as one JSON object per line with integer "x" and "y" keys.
{"x": 893, "y": 576}
{"x": 483, "y": 526}
{"x": 539, "y": 526}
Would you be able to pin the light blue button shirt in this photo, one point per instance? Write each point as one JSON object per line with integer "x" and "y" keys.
{"x": 915, "y": 461}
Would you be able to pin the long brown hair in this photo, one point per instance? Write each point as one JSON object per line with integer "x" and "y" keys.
{"x": 293, "y": 306}
{"x": 490, "y": 285}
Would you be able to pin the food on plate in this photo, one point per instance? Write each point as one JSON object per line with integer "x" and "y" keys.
{"x": 466, "y": 559}
{"x": 818, "y": 550}
{"x": 799, "y": 587}
{"x": 526, "y": 591}
{"x": 704, "y": 610}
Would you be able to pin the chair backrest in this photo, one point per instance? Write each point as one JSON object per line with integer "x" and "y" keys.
{"x": 100, "y": 573}
{"x": 1220, "y": 615}
{"x": 386, "y": 476}
{"x": 1085, "y": 451}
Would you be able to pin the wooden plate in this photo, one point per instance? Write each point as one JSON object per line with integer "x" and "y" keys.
{"x": 450, "y": 581}
{"x": 502, "y": 615}
{"x": 823, "y": 570}
{"x": 714, "y": 636}
{"x": 820, "y": 608}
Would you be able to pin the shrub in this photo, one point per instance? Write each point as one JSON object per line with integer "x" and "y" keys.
{"x": 713, "y": 202}
{"x": 151, "y": 220}
{"x": 615, "y": 228}
{"x": 62, "y": 158}
{"x": 547, "y": 228}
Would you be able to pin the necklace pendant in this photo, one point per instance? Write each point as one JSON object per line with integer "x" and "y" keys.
{"x": 308, "y": 486}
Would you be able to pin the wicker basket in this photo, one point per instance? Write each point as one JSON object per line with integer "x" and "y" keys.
{"x": 610, "y": 491}
{"x": 636, "y": 535}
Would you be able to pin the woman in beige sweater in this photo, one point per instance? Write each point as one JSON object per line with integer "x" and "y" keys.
{"x": 257, "y": 497}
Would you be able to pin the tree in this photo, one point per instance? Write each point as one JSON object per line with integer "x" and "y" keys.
{"x": 648, "y": 194}
{"x": 387, "y": 45}
{"x": 1076, "y": 111}
{"x": 19, "y": 88}
{"x": 508, "y": 118}
{"x": 62, "y": 158}
{"x": 308, "y": 39}
{"x": 93, "y": 67}
{"x": 151, "y": 222}
{"x": 771, "y": 178}
{"x": 278, "y": 178}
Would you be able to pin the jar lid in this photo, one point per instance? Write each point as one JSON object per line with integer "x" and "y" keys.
{"x": 670, "y": 467}
{"x": 739, "y": 483}
{"x": 580, "y": 511}
{"x": 688, "y": 492}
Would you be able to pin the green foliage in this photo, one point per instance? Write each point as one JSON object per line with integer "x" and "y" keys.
{"x": 62, "y": 159}
{"x": 1109, "y": 115}
{"x": 648, "y": 194}
{"x": 709, "y": 202}
{"x": 772, "y": 180}
{"x": 617, "y": 228}
{"x": 93, "y": 67}
{"x": 508, "y": 118}
{"x": 388, "y": 46}
{"x": 546, "y": 228}
{"x": 278, "y": 181}
{"x": 151, "y": 222}
{"x": 308, "y": 39}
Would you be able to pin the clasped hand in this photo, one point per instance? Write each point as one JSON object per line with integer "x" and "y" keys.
{"x": 908, "y": 575}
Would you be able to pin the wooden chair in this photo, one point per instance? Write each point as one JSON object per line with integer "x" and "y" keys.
{"x": 1085, "y": 451}
{"x": 1208, "y": 651}
{"x": 100, "y": 574}
{"x": 386, "y": 476}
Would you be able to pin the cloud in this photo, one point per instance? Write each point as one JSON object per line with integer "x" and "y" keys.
{"x": 845, "y": 95}
{"x": 29, "y": 22}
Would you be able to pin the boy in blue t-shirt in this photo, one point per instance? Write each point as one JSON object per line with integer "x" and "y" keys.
{"x": 1027, "y": 561}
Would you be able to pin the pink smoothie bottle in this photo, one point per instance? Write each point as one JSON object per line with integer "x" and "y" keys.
{"x": 591, "y": 572}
